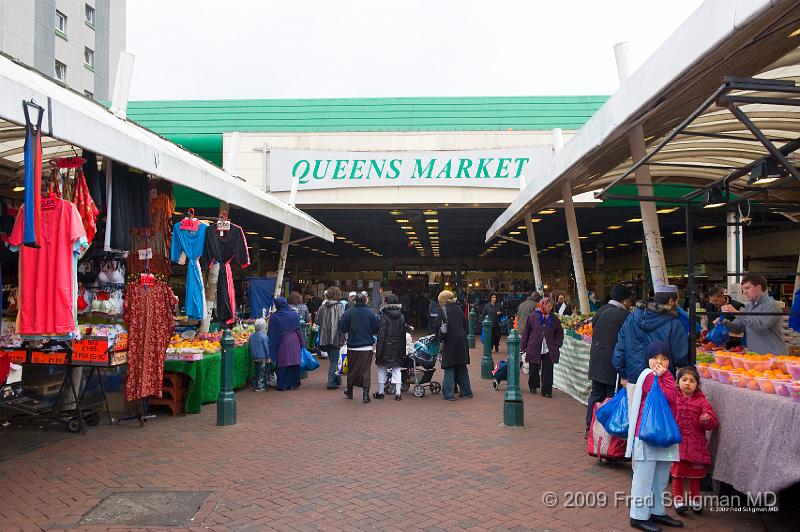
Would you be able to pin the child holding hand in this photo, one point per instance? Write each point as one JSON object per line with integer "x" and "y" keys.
{"x": 651, "y": 464}
{"x": 694, "y": 416}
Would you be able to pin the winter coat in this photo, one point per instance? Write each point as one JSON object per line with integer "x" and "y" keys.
{"x": 524, "y": 310}
{"x": 390, "y": 350}
{"x": 302, "y": 312}
{"x": 454, "y": 349}
{"x": 764, "y": 333}
{"x": 567, "y": 308}
{"x": 492, "y": 311}
{"x": 647, "y": 323}
{"x": 538, "y": 328}
{"x": 258, "y": 346}
{"x": 328, "y": 317}
{"x": 667, "y": 384}
{"x": 360, "y": 324}
{"x": 605, "y": 330}
{"x": 688, "y": 409}
{"x": 289, "y": 351}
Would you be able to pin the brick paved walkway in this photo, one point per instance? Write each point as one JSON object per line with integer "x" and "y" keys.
{"x": 311, "y": 460}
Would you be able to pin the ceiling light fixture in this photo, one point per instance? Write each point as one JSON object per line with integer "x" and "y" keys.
{"x": 765, "y": 172}
{"x": 514, "y": 232}
{"x": 268, "y": 237}
{"x": 20, "y": 189}
{"x": 251, "y": 233}
{"x": 432, "y": 220}
{"x": 406, "y": 227}
{"x": 547, "y": 211}
{"x": 713, "y": 198}
{"x": 632, "y": 220}
{"x": 707, "y": 227}
{"x": 679, "y": 232}
{"x": 429, "y": 213}
{"x": 614, "y": 227}
{"x": 402, "y": 221}
{"x": 667, "y": 210}
{"x": 596, "y": 233}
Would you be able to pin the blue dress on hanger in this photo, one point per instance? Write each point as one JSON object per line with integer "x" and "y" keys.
{"x": 191, "y": 243}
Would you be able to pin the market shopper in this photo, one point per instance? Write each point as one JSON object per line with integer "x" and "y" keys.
{"x": 258, "y": 345}
{"x": 562, "y": 307}
{"x": 762, "y": 333}
{"x": 650, "y": 321}
{"x": 651, "y": 464}
{"x": 360, "y": 324}
{"x": 494, "y": 310}
{"x": 285, "y": 340}
{"x": 542, "y": 343}
{"x": 331, "y": 337}
{"x": 525, "y": 309}
{"x": 606, "y": 325}
{"x": 695, "y": 416}
{"x": 390, "y": 349}
{"x": 295, "y": 301}
{"x": 454, "y": 348}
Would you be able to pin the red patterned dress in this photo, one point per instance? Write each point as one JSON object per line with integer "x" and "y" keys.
{"x": 148, "y": 316}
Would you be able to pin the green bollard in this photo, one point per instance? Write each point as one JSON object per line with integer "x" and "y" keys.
{"x": 487, "y": 364}
{"x": 226, "y": 402}
{"x": 471, "y": 336}
{"x": 513, "y": 411}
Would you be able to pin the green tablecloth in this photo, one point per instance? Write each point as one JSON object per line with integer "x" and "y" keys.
{"x": 205, "y": 376}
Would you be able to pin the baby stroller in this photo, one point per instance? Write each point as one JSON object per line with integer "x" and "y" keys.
{"x": 419, "y": 367}
{"x": 499, "y": 374}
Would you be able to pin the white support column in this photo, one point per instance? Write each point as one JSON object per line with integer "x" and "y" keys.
{"x": 574, "y": 236}
{"x": 538, "y": 282}
{"x": 735, "y": 252}
{"x": 287, "y": 234}
{"x": 644, "y": 182}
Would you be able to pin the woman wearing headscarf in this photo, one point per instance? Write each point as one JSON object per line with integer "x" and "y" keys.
{"x": 361, "y": 324}
{"x": 331, "y": 338}
{"x": 541, "y": 343}
{"x": 258, "y": 345}
{"x": 390, "y": 351}
{"x": 454, "y": 350}
{"x": 286, "y": 341}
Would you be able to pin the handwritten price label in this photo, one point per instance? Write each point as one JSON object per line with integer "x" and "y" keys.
{"x": 90, "y": 351}
{"x": 19, "y": 356}
{"x": 42, "y": 357}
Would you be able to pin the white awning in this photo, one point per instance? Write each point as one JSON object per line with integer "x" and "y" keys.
{"x": 722, "y": 38}
{"x": 72, "y": 119}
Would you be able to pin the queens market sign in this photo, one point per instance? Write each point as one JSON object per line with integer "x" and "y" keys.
{"x": 497, "y": 168}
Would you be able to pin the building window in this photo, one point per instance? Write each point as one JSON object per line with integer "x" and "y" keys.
{"x": 89, "y": 94}
{"x": 61, "y": 71}
{"x": 61, "y": 22}
{"x": 88, "y": 57}
{"x": 90, "y": 15}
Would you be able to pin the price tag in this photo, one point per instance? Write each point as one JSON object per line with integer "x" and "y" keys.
{"x": 119, "y": 358}
{"x": 121, "y": 343}
{"x": 42, "y": 357}
{"x": 223, "y": 225}
{"x": 48, "y": 203}
{"x": 17, "y": 356}
{"x": 145, "y": 254}
{"x": 92, "y": 351}
{"x": 153, "y": 193}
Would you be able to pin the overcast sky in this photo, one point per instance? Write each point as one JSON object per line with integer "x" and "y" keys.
{"x": 215, "y": 49}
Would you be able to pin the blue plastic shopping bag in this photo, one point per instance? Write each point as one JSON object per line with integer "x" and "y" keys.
{"x": 658, "y": 427}
{"x": 718, "y": 335}
{"x": 307, "y": 360}
{"x": 614, "y": 415}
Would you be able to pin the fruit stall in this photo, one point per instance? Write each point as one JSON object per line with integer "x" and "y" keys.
{"x": 570, "y": 375}
{"x": 197, "y": 355}
{"x": 757, "y": 400}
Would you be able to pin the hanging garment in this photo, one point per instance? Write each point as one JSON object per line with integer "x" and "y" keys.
{"x": 148, "y": 316}
{"x": 192, "y": 244}
{"x": 223, "y": 247}
{"x": 87, "y": 209}
{"x": 162, "y": 207}
{"x": 130, "y": 204}
{"x": 149, "y": 252}
{"x": 48, "y": 274}
{"x": 95, "y": 181}
{"x": 33, "y": 178}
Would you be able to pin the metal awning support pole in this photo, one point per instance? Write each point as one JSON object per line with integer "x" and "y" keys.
{"x": 538, "y": 283}
{"x": 734, "y": 250}
{"x": 285, "y": 241}
{"x": 644, "y": 183}
{"x": 574, "y": 236}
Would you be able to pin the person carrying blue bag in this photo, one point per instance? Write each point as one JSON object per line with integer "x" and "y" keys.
{"x": 614, "y": 414}
{"x": 653, "y": 438}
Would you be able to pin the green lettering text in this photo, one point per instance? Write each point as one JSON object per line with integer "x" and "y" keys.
{"x": 394, "y": 169}
{"x": 463, "y": 167}
{"x": 302, "y": 177}
{"x": 502, "y": 167}
{"x": 445, "y": 171}
{"x": 418, "y": 168}
{"x": 483, "y": 171}
{"x": 340, "y": 166}
{"x": 357, "y": 164}
{"x": 373, "y": 165}
{"x": 520, "y": 162}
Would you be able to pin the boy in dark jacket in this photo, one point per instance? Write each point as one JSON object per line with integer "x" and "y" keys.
{"x": 390, "y": 350}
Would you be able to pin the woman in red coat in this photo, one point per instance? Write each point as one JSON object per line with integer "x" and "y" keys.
{"x": 695, "y": 416}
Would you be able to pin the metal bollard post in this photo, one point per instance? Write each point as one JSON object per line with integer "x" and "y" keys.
{"x": 471, "y": 326}
{"x": 513, "y": 411}
{"x": 226, "y": 402}
{"x": 487, "y": 364}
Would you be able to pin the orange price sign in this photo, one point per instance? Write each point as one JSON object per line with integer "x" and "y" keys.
{"x": 122, "y": 342}
{"x": 42, "y": 357}
{"x": 18, "y": 356}
{"x": 91, "y": 351}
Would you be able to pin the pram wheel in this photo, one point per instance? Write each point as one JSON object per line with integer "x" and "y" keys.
{"x": 390, "y": 388}
{"x": 436, "y": 387}
{"x": 419, "y": 391}
{"x": 405, "y": 386}
{"x": 495, "y": 385}
{"x": 74, "y": 425}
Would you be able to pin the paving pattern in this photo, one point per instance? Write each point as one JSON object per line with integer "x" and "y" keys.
{"x": 312, "y": 460}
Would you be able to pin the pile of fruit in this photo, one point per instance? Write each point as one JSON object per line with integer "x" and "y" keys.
{"x": 241, "y": 333}
{"x": 206, "y": 342}
{"x": 585, "y": 330}
{"x": 767, "y": 373}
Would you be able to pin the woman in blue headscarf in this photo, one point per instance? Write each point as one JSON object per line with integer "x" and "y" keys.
{"x": 286, "y": 340}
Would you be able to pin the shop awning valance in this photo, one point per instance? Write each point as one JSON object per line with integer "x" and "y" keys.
{"x": 71, "y": 119}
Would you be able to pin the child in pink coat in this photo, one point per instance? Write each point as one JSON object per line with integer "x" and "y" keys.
{"x": 695, "y": 416}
